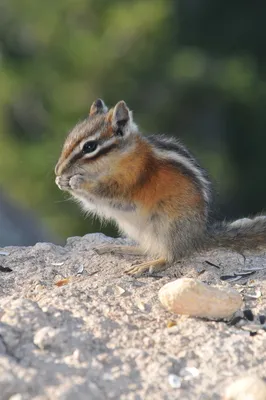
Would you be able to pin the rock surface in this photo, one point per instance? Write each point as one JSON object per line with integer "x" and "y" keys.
{"x": 74, "y": 326}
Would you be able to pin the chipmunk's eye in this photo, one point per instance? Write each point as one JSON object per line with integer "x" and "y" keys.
{"x": 89, "y": 147}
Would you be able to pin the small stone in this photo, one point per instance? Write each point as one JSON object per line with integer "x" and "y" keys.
{"x": 80, "y": 270}
{"x": 39, "y": 287}
{"x": 16, "y": 396}
{"x": 4, "y": 253}
{"x": 174, "y": 381}
{"x": 107, "y": 377}
{"x": 256, "y": 295}
{"x": 77, "y": 355}
{"x": 192, "y": 297}
{"x": 248, "y": 388}
{"x": 253, "y": 328}
{"x": 118, "y": 290}
{"x": 170, "y": 324}
{"x": 141, "y": 306}
{"x": 189, "y": 373}
{"x": 57, "y": 264}
{"x": 48, "y": 338}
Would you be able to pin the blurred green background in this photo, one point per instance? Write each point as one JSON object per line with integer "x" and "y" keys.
{"x": 195, "y": 69}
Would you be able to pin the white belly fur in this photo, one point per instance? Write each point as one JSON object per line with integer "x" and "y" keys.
{"x": 133, "y": 223}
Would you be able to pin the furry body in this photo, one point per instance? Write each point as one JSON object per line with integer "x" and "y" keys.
{"x": 152, "y": 187}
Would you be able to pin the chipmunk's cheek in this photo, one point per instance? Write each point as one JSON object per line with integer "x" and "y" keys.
{"x": 76, "y": 182}
{"x": 62, "y": 182}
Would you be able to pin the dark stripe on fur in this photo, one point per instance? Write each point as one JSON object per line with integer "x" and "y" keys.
{"x": 162, "y": 143}
{"x": 165, "y": 144}
{"x": 100, "y": 153}
{"x": 185, "y": 171}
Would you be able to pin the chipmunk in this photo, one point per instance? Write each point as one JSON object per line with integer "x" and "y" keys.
{"x": 152, "y": 187}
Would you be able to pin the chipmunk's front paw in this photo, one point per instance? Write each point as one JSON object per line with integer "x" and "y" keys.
{"x": 76, "y": 182}
{"x": 62, "y": 182}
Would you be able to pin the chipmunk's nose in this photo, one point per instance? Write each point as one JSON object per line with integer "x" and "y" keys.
{"x": 57, "y": 169}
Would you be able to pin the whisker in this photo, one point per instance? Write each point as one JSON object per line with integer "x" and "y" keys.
{"x": 63, "y": 201}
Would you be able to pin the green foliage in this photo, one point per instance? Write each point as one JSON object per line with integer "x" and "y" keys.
{"x": 192, "y": 69}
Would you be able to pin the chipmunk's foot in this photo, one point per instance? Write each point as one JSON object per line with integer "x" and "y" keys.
{"x": 76, "y": 182}
{"x": 62, "y": 182}
{"x": 150, "y": 266}
{"x": 117, "y": 249}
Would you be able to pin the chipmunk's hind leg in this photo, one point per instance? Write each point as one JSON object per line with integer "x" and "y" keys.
{"x": 118, "y": 249}
{"x": 151, "y": 266}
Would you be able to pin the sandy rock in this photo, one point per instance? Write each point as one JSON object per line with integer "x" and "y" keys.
{"x": 248, "y": 388}
{"x": 47, "y": 338}
{"x": 105, "y": 336}
{"x": 192, "y": 297}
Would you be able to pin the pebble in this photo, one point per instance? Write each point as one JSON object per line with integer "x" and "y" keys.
{"x": 16, "y": 396}
{"x": 4, "y": 253}
{"x": 48, "y": 338}
{"x": 174, "y": 381}
{"x": 192, "y": 297}
{"x": 189, "y": 373}
{"x": 248, "y": 388}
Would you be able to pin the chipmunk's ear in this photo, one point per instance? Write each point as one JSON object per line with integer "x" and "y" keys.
{"x": 122, "y": 119}
{"x": 98, "y": 107}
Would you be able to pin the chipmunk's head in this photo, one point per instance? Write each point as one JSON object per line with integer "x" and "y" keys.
{"x": 95, "y": 143}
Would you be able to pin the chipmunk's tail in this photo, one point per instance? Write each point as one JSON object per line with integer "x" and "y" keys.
{"x": 240, "y": 235}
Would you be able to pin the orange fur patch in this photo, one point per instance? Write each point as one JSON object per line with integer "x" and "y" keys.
{"x": 156, "y": 185}
{"x": 168, "y": 190}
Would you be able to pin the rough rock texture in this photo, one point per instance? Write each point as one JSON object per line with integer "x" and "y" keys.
{"x": 74, "y": 326}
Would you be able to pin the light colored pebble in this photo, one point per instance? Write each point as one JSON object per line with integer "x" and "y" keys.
{"x": 4, "y": 253}
{"x": 248, "y": 388}
{"x": 44, "y": 337}
{"x": 107, "y": 377}
{"x": 80, "y": 269}
{"x": 118, "y": 290}
{"x": 192, "y": 297}
{"x": 39, "y": 287}
{"x": 16, "y": 396}
{"x": 189, "y": 373}
{"x": 174, "y": 381}
{"x": 141, "y": 306}
{"x": 57, "y": 264}
{"x": 48, "y": 338}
